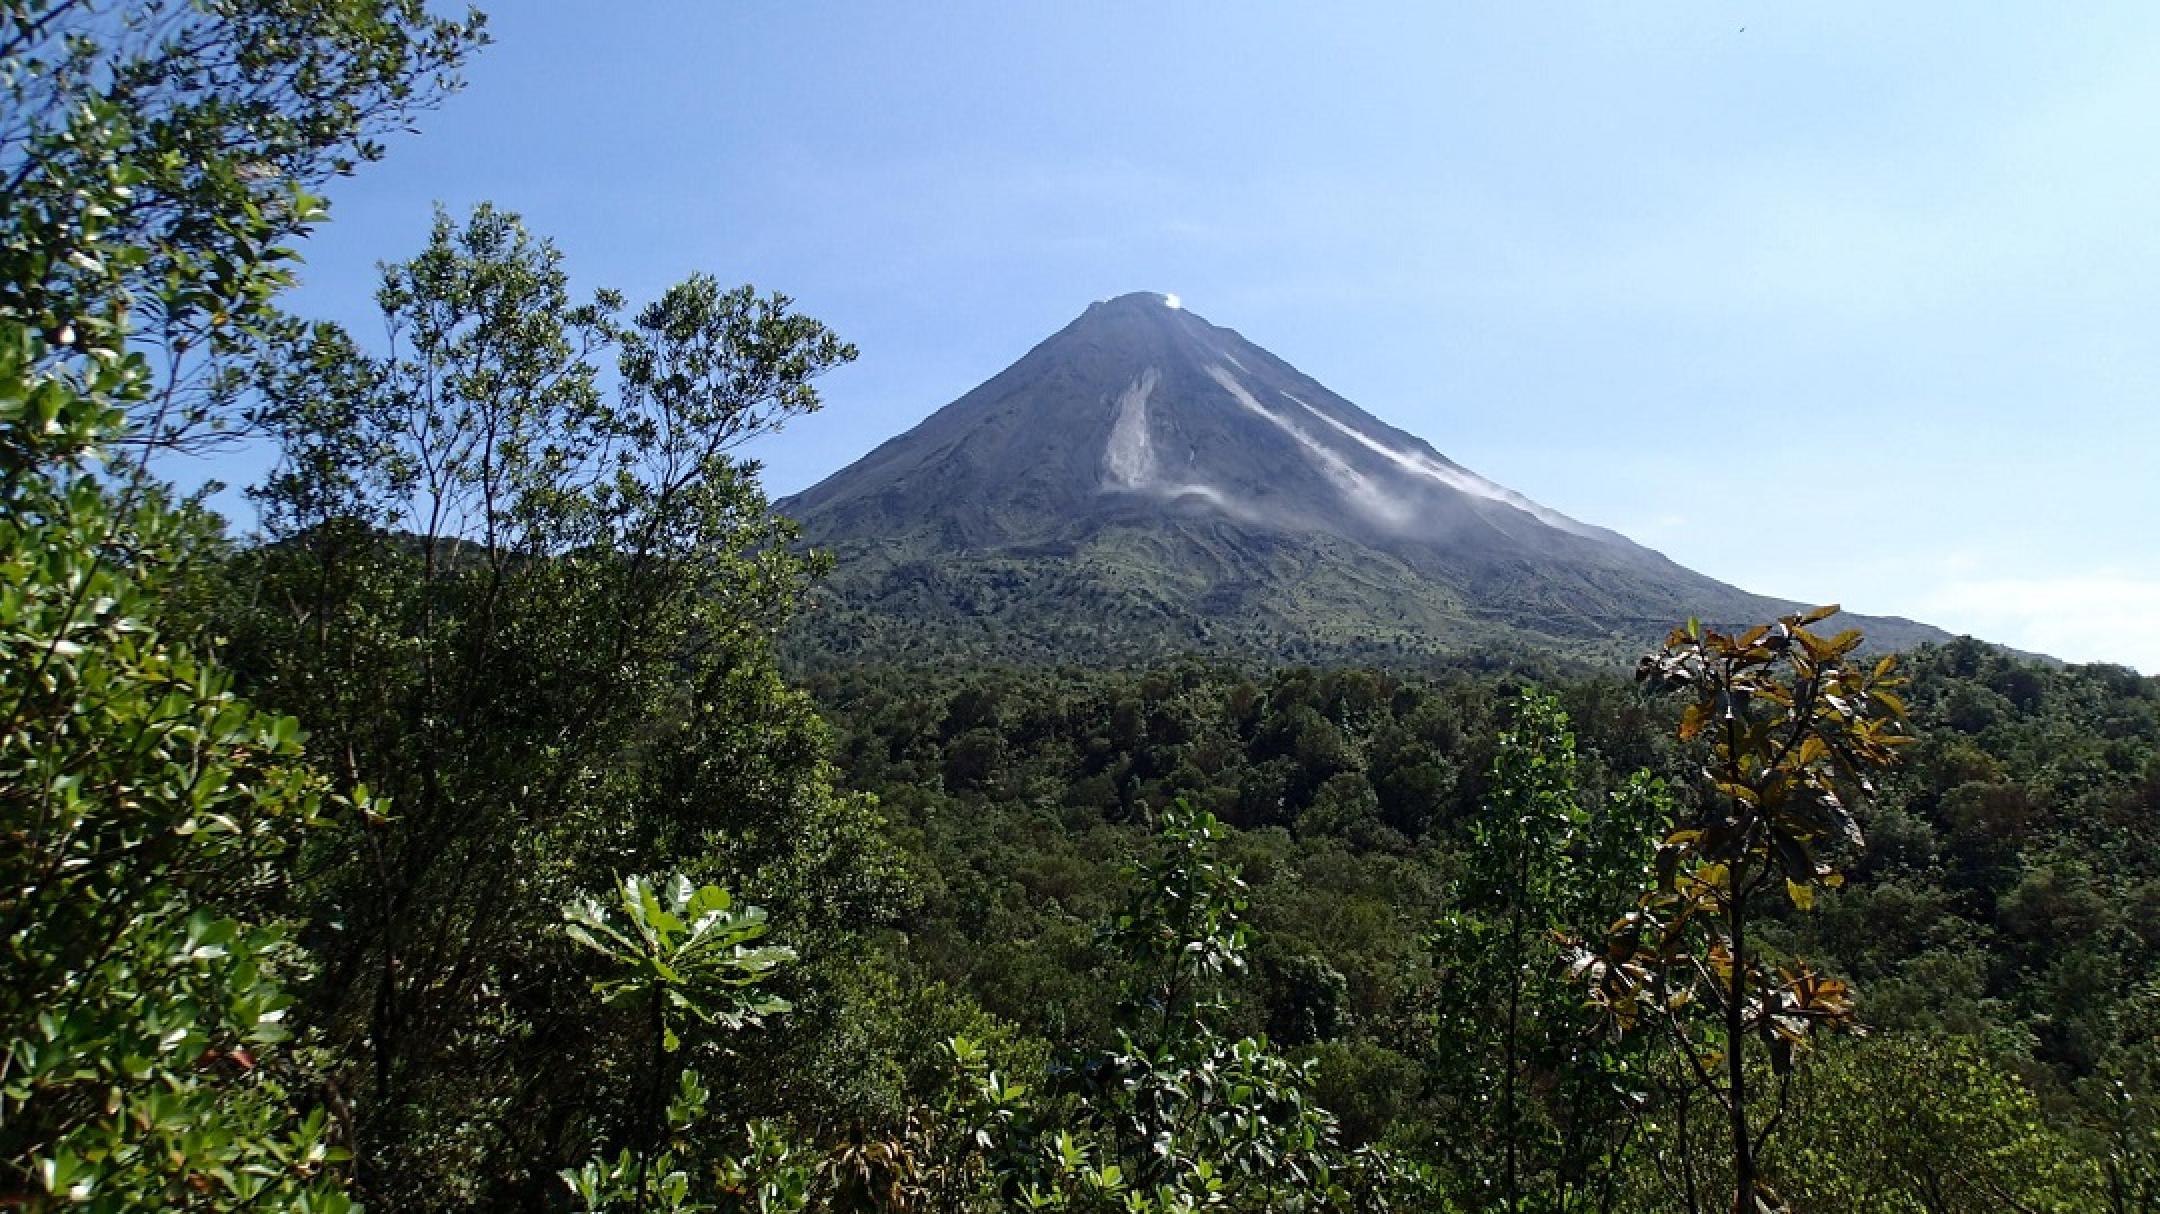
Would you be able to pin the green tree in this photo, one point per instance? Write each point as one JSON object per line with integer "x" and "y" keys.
{"x": 1543, "y": 863}
{"x": 150, "y": 816}
{"x": 1898, "y": 1123}
{"x": 531, "y": 597}
{"x": 159, "y": 157}
{"x": 2123, "y": 1102}
{"x": 154, "y": 161}
{"x": 1180, "y": 1116}
{"x": 683, "y": 959}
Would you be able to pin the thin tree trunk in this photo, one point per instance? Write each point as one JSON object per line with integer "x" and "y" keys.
{"x": 1743, "y": 1144}
{"x": 1510, "y": 1049}
{"x": 656, "y": 1107}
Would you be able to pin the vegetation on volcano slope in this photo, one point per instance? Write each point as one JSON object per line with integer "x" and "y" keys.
{"x": 1148, "y": 594}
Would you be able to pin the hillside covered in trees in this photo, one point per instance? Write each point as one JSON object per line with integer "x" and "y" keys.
{"x": 460, "y": 842}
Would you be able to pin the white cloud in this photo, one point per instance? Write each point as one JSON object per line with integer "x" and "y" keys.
{"x": 2095, "y": 617}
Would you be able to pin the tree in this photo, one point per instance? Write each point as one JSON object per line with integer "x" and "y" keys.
{"x": 1542, "y": 864}
{"x": 1790, "y": 731}
{"x": 534, "y": 601}
{"x": 152, "y": 814}
{"x": 1906, "y": 1122}
{"x": 159, "y": 158}
{"x": 1179, "y": 1116}
{"x": 2123, "y": 1099}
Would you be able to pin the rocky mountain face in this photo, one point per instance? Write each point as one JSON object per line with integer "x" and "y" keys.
{"x": 1144, "y": 483}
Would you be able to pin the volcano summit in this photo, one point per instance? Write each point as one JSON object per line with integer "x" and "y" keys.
{"x": 1144, "y": 483}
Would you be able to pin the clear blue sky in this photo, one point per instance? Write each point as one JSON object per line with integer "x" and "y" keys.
{"x": 1834, "y": 301}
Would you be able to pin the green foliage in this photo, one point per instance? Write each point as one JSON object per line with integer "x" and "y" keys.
{"x": 2123, "y": 1097}
{"x": 1900, "y": 1123}
{"x": 155, "y": 159}
{"x": 1551, "y": 1098}
{"x": 150, "y": 813}
{"x": 772, "y": 1175}
{"x": 1179, "y": 1116}
{"x": 159, "y": 157}
{"x": 1182, "y": 932}
{"x": 532, "y": 599}
{"x": 684, "y": 956}
{"x": 1176, "y": 1116}
{"x": 1021, "y": 858}
{"x": 683, "y": 947}
{"x": 519, "y": 582}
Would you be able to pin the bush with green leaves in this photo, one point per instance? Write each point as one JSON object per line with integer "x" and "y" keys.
{"x": 159, "y": 157}
{"x": 2121, "y": 1101}
{"x": 1899, "y": 1123}
{"x": 154, "y": 160}
{"x": 521, "y": 580}
{"x": 1180, "y": 1115}
{"x": 150, "y": 816}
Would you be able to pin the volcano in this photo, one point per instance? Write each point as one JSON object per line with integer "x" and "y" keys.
{"x": 1144, "y": 483}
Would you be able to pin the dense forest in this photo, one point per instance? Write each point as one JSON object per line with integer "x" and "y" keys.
{"x": 458, "y": 838}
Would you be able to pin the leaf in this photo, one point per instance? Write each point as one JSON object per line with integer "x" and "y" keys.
{"x": 1781, "y": 1057}
{"x": 1668, "y": 864}
{"x": 1738, "y": 792}
{"x": 1691, "y": 720}
{"x": 1794, "y": 858}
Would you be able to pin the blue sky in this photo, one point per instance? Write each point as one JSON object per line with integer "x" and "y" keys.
{"x": 1833, "y": 301}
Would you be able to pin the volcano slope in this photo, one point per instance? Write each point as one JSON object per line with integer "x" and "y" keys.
{"x": 1145, "y": 484}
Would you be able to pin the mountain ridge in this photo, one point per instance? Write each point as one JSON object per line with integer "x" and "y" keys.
{"x": 1144, "y": 482}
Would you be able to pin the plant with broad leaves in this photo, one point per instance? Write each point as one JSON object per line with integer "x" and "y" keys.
{"x": 688, "y": 957}
{"x": 1183, "y": 929}
{"x": 679, "y": 947}
{"x": 983, "y": 1126}
{"x": 774, "y": 1175}
{"x": 1791, "y": 727}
